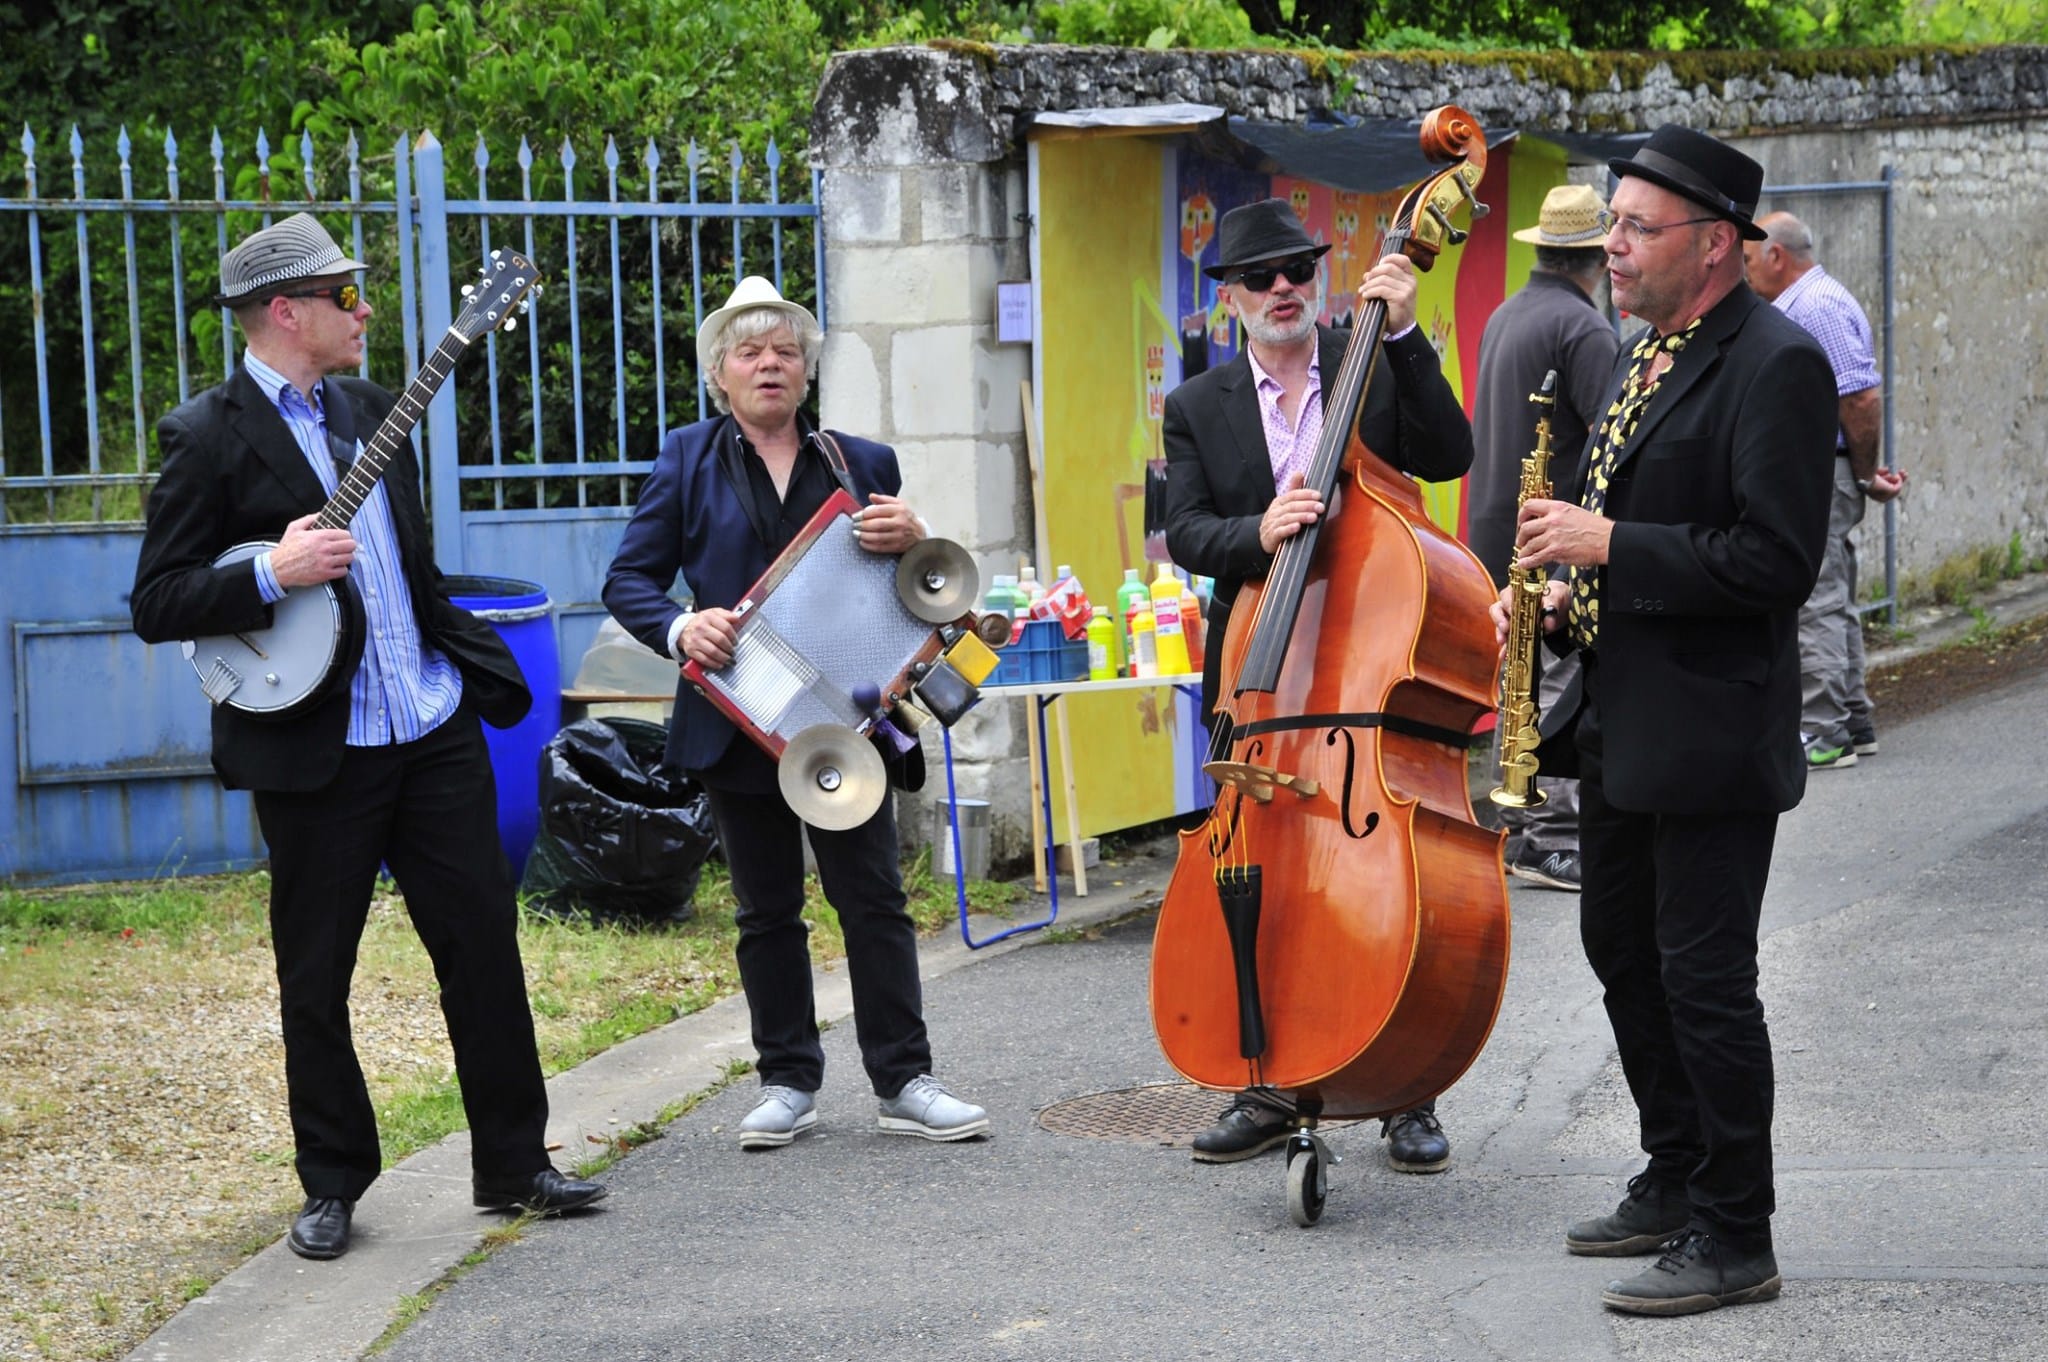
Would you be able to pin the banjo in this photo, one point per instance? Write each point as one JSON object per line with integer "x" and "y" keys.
{"x": 315, "y": 636}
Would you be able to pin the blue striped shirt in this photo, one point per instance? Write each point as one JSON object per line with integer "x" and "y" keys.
{"x": 404, "y": 688}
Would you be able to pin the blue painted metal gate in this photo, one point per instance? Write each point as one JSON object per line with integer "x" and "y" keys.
{"x": 110, "y": 776}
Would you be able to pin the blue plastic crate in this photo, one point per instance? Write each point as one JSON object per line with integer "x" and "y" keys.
{"x": 1042, "y": 654}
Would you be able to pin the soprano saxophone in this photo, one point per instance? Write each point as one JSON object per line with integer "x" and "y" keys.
{"x": 1518, "y": 712}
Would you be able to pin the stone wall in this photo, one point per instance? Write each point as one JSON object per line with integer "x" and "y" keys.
{"x": 924, "y": 198}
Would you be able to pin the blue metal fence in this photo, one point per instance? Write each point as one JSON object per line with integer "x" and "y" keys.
{"x": 521, "y": 479}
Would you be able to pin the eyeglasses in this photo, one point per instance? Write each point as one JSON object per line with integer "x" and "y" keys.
{"x": 346, "y": 296}
{"x": 1639, "y": 232}
{"x": 1259, "y": 278}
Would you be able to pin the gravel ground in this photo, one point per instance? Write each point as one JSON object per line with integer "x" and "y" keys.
{"x": 149, "y": 1146}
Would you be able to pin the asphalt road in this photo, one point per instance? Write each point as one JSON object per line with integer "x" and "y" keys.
{"x": 1902, "y": 966}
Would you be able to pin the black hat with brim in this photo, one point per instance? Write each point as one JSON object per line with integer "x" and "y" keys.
{"x": 1265, "y": 230}
{"x": 1704, "y": 169}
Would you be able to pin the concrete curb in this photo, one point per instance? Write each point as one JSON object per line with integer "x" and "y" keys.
{"x": 416, "y": 1223}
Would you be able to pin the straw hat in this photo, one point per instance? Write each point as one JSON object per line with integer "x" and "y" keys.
{"x": 282, "y": 253}
{"x": 1570, "y": 219}
{"x": 753, "y": 292}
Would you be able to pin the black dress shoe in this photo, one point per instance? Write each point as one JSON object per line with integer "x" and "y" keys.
{"x": 546, "y": 1192}
{"x": 321, "y": 1231}
{"x": 1416, "y": 1142}
{"x": 1248, "y": 1127}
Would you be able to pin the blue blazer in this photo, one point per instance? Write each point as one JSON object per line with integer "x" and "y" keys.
{"x": 692, "y": 520}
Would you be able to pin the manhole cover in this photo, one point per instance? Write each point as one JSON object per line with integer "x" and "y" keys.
{"x": 1160, "y": 1113}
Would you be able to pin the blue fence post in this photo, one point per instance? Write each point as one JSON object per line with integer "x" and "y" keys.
{"x": 444, "y": 474}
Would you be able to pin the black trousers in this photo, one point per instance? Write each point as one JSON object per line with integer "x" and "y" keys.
{"x": 1668, "y": 913}
{"x": 428, "y": 811}
{"x": 863, "y": 881}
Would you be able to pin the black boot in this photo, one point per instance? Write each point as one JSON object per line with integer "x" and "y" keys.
{"x": 1697, "y": 1272}
{"x": 1649, "y": 1216}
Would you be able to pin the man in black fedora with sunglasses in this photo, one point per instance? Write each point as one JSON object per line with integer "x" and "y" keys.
{"x": 1239, "y": 440}
{"x": 1680, "y": 571}
{"x": 390, "y": 769}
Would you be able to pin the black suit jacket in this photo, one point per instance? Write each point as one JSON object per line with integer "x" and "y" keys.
{"x": 232, "y": 473}
{"x": 1720, "y": 503}
{"x": 1219, "y": 476}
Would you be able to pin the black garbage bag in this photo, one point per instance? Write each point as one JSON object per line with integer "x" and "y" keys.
{"x": 622, "y": 837}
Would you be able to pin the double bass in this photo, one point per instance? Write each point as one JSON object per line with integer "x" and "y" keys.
{"x": 1335, "y": 934}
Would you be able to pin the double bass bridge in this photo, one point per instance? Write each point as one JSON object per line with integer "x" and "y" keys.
{"x": 1258, "y": 783}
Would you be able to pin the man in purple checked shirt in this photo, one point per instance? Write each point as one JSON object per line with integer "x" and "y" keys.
{"x": 1835, "y": 722}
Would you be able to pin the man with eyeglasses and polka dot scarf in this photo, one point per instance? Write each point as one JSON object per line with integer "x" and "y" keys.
{"x": 1679, "y": 576}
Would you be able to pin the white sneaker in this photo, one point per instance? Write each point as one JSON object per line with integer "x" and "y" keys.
{"x": 924, "y": 1108}
{"x": 779, "y": 1116}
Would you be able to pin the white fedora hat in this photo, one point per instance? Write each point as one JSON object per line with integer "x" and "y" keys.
{"x": 753, "y": 292}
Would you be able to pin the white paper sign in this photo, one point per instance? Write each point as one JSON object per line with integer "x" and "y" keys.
{"x": 1013, "y": 311}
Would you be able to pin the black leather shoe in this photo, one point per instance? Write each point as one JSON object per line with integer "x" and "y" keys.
{"x": 546, "y": 1192}
{"x": 1648, "y": 1217}
{"x": 321, "y": 1231}
{"x": 1416, "y": 1142}
{"x": 1697, "y": 1272}
{"x": 1246, "y": 1129}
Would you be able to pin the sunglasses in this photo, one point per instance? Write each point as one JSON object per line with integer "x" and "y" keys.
{"x": 345, "y": 296}
{"x": 1259, "y": 278}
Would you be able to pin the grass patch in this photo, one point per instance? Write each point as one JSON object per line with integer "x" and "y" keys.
{"x": 1958, "y": 579}
{"x": 90, "y": 976}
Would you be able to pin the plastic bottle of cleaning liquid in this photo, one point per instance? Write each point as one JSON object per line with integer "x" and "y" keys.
{"x": 1127, "y": 596}
{"x": 1144, "y": 642}
{"x": 1028, "y": 583}
{"x": 997, "y": 600}
{"x": 1101, "y": 645}
{"x": 1191, "y": 626}
{"x": 1171, "y": 643}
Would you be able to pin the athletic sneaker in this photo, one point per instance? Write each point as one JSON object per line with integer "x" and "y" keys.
{"x": 1819, "y": 758}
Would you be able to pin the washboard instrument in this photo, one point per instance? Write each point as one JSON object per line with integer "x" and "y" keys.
{"x": 834, "y": 644}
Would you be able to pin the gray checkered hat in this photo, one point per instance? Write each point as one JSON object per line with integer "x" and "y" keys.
{"x": 297, "y": 248}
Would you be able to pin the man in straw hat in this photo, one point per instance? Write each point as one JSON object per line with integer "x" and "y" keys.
{"x": 725, "y": 498}
{"x": 1686, "y": 558}
{"x": 1239, "y": 439}
{"x": 1552, "y": 323}
{"x": 389, "y": 771}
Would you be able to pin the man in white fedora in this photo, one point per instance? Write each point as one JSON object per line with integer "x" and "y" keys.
{"x": 725, "y": 498}
{"x": 1553, "y": 322}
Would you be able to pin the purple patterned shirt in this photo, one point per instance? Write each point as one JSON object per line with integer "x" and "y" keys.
{"x": 1819, "y": 302}
{"x": 1290, "y": 451}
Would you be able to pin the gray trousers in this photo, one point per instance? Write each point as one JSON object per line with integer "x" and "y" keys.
{"x": 1554, "y": 824}
{"x": 1833, "y": 700}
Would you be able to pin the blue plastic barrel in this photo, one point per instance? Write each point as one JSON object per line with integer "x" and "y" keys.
{"x": 524, "y": 618}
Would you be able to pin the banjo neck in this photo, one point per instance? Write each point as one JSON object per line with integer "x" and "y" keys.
{"x": 362, "y": 475}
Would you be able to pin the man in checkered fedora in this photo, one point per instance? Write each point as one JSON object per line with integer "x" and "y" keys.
{"x": 1552, "y": 322}
{"x": 390, "y": 770}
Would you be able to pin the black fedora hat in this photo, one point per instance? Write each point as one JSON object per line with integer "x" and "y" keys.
{"x": 1265, "y": 230}
{"x": 1704, "y": 169}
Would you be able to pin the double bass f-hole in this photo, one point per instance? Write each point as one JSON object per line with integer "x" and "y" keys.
{"x": 1362, "y": 828}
